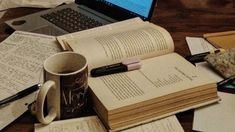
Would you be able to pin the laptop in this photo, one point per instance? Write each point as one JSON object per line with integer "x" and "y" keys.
{"x": 81, "y": 15}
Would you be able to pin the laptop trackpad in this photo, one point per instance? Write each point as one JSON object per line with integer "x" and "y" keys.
{"x": 49, "y": 30}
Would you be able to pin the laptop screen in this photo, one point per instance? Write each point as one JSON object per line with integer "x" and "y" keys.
{"x": 122, "y": 9}
{"x": 138, "y": 7}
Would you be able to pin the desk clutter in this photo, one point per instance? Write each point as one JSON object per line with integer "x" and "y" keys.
{"x": 165, "y": 84}
{"x": 220, "y": 67}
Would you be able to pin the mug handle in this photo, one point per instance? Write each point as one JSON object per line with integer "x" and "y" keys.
{"x": 40, "y": 103}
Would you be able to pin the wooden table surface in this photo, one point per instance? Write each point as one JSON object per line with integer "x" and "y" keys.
{"x": 180, "y": 17}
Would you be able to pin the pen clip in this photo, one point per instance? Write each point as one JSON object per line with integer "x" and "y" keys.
{"x": 4, "y": 105}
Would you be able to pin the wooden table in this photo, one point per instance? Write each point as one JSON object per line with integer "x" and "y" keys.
{"x": 180, "y": 17}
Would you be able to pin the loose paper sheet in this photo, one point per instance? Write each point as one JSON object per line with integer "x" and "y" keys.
{"x": 217, "y": 117}
{"x": 200, "y": 45}
{"x": 2, "y": 13}
{"x": 93, "y": 124}
{"x": 85, "y": 124}
{"x": 6, "y": 4}
{"x": 15, "y": 109}
{"x": 21, "y": 60}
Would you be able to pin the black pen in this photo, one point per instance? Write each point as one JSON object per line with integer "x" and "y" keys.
{"x": 225, "y": 81}
{"x": 19, "y": 95}
{"x": 200, "y": 57}
{"x": 126, "y": 65}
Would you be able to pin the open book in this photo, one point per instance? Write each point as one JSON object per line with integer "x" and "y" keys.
{"x": 165, "y": 84}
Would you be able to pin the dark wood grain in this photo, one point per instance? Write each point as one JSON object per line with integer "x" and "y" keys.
{"x": 180, "y": 17}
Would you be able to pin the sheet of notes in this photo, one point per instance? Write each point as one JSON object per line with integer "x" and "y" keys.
{"x": 85, "y": 124}
{"x": 21, "y": 60}
{"x": 93, "y": 124}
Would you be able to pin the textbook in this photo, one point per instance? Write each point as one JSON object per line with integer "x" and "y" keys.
{"x": 223, "y": 40}
{"x": 165, "y": 84}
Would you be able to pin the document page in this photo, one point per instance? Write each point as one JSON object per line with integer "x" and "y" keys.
{"x": 93, "y": 124}
{"x": 168, "y": 124}
{"x": 217, "y": 117}
{"x": 6, "y": 4}
{"x": 21, "y": 61}
{"x": 84, "y": 124}
{"x": 15, "y": 109}
{"x": 200, "y": 45}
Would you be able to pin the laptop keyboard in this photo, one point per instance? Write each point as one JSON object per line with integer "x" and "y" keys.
{"x": 71, "y": 20}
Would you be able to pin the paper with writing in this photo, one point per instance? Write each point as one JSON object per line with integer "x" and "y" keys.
{"x": 21, "y": 60}
{"x": 93, "y": 124}
{"x": 6, "y": 4}
{"x": 200, "y": 45}
{"x": 84, "y": 124}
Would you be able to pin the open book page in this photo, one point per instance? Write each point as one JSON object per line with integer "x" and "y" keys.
{"x": 168, "y": 124}
{"x": 144, "y": 40}
{"x": 21, "y": 61}
{"x": 94, "y": 31}
{"x": 84, "y": 124}
{"x": 158, "y": 76}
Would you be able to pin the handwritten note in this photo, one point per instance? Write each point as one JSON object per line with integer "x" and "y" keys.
{"x": 21, "y": 60}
